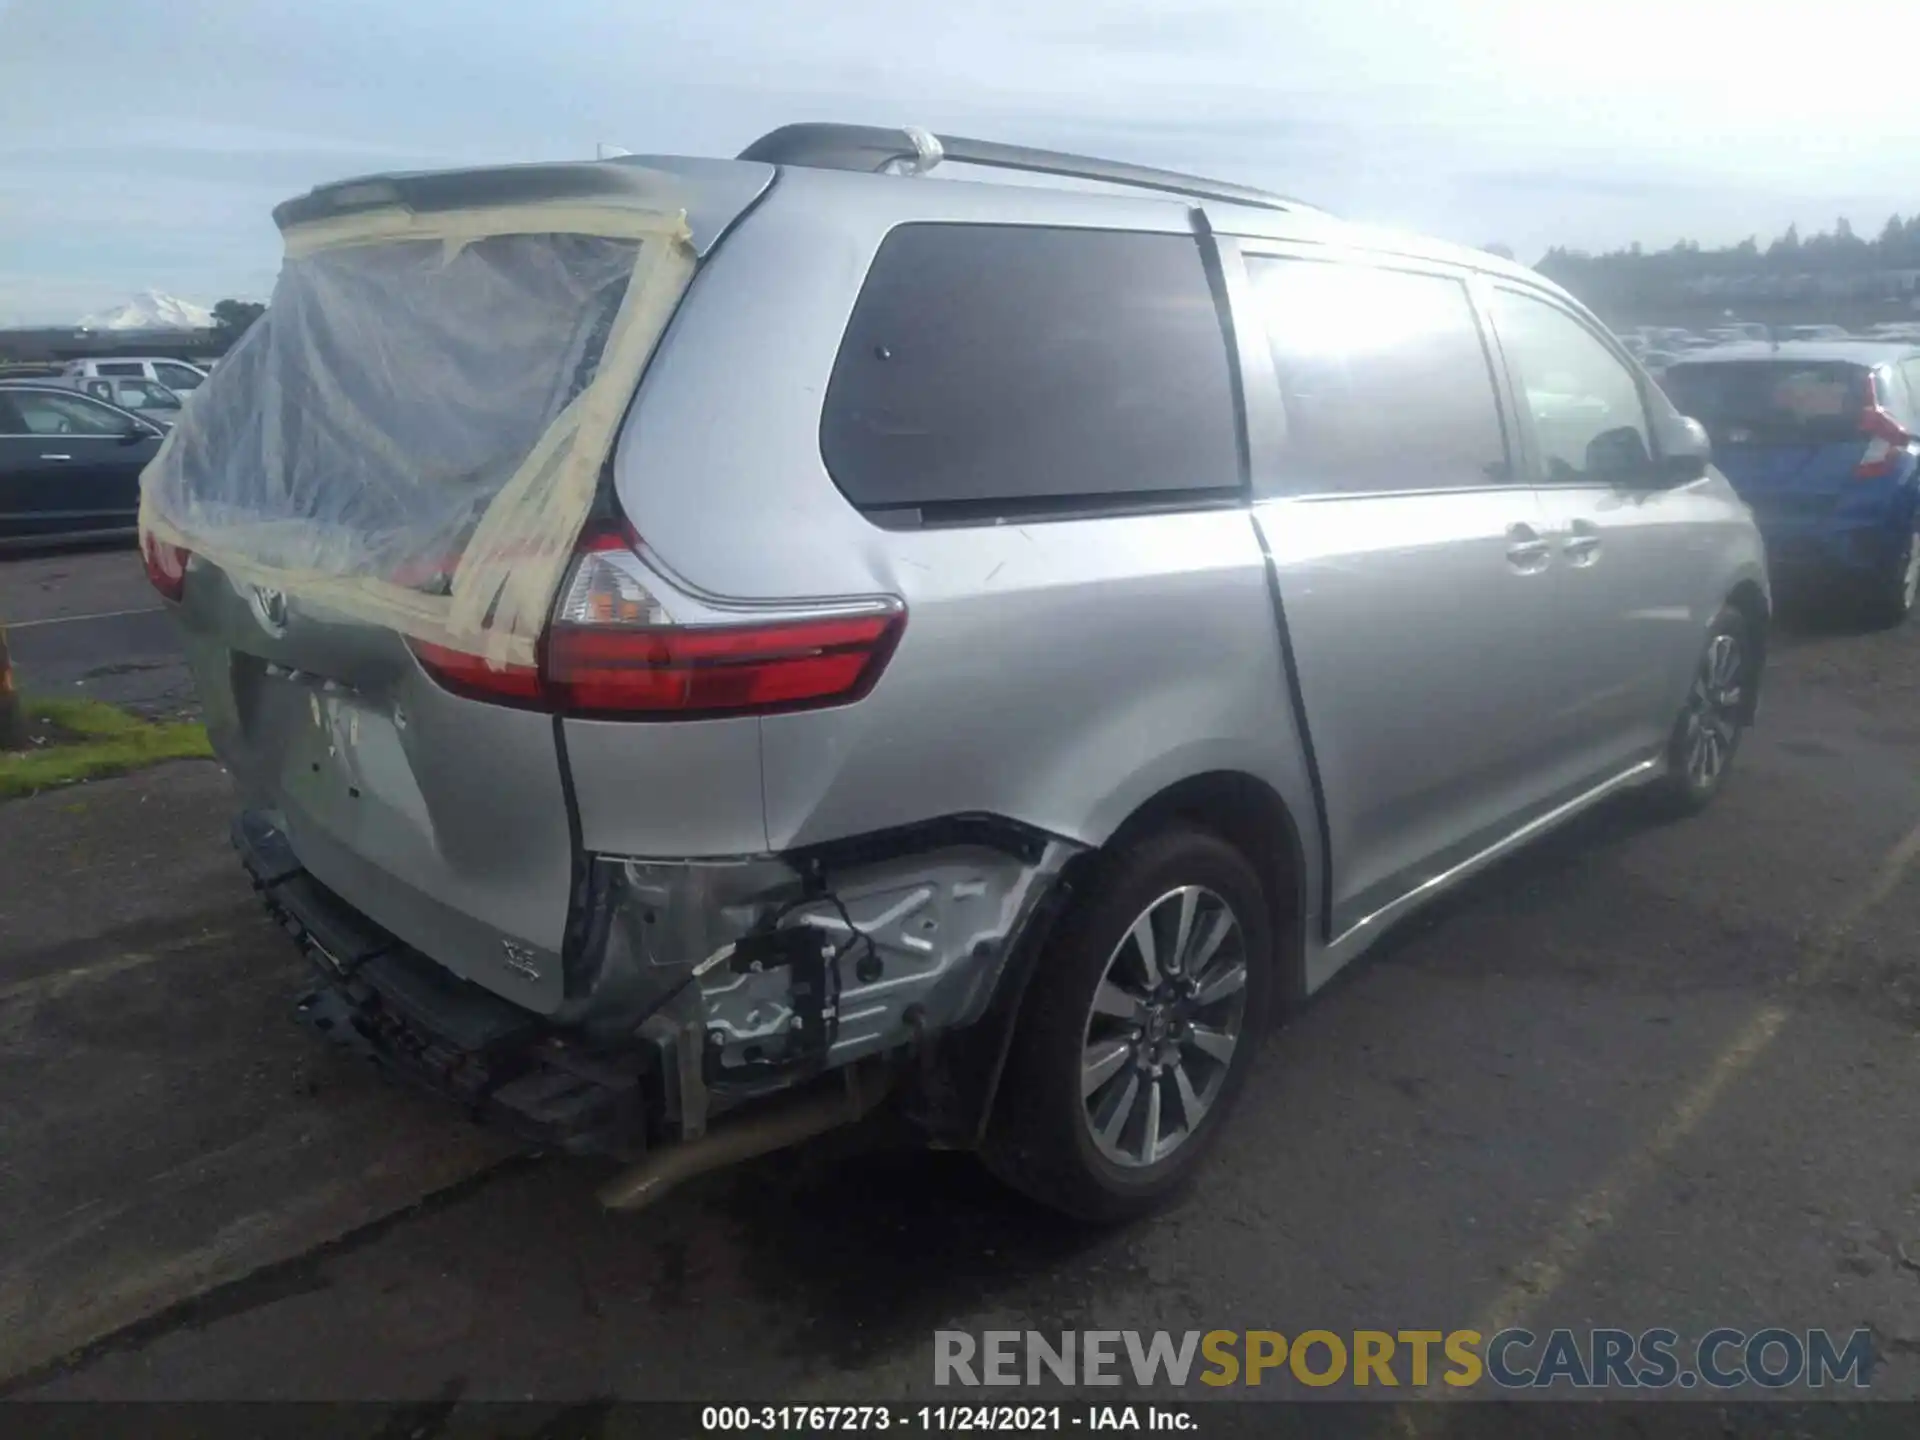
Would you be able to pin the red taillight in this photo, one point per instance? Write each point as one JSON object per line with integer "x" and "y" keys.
{"x": 682, "y": 670}
{"x": 166, "y": 566}
{"x": 1887, "y": 439}
{"x": 615, "y": 651}
{"x": 472, "y": 676}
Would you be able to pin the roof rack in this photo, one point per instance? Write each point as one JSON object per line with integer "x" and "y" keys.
{"x": 875, "y": 148}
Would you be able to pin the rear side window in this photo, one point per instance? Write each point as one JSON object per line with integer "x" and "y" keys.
{"x": 1771, "y": 401}
{"x": 108, "y": 368}
{"x": 1383, "y": 376}
{"x": 993, "y": 369}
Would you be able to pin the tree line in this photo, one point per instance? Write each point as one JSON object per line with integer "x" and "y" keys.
{"x": 1841, "y": 250}
{"x": 1634, "y": 270}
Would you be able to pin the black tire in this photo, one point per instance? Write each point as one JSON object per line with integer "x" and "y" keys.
{"x": 1686, "y": 789}
{"x": 1895, "y": 591}
{"x": 1041, "y": 1139}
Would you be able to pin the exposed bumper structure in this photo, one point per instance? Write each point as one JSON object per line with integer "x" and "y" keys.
{"x": 422, "y": 1024}
{"x": 698, "y": 986}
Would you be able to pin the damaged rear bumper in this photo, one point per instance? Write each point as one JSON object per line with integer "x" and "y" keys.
{"x": 693, "y": 987}
{"x": 418, "y": 1022}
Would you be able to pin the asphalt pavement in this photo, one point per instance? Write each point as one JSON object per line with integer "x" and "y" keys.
{"x": 85, "y": 622}
{"x": 1643, "y": 1075}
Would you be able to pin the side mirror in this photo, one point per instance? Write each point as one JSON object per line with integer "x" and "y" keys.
{"x": 1685, "y": 450}
{"x": 1620, "y": 455}
{"x": 135, "y": 431}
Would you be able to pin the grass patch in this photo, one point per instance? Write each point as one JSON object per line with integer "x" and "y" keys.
{"x": 77, "y": 740}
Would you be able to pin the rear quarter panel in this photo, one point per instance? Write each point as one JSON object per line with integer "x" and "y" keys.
{"x": 1058, "y": 673}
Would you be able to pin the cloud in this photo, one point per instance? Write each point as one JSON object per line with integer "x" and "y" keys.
{"x": 1472, "y": 119}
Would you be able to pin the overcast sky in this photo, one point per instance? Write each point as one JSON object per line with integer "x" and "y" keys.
{"x": 143, "y": 144}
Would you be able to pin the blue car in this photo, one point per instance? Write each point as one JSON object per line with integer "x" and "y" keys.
{"x": 1819, "y": 438}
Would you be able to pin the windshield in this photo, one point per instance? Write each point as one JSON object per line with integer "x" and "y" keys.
{"x": 1771, "y": 401}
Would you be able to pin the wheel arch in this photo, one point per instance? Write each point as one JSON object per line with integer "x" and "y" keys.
{"x": 1250, "y": 815}
{"x": 1243, "y": 810}
{"x": 1751, "y": 601}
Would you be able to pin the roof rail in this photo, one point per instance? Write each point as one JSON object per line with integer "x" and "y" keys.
{"x": 873, "y": 148}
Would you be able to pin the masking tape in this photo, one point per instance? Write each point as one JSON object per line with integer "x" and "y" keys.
{"x": 504, "y": 584}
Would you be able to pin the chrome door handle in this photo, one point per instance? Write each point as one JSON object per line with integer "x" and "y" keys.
{"x": 1582, "y": 547}
{"x": 56, "y": 457}
{"x": 1526, "y": 551}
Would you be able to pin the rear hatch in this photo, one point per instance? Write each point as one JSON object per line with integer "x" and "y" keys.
{"x": 442, "y": 820}
{"x": 1795, "y": 437}
{"x": 372, "y": 504}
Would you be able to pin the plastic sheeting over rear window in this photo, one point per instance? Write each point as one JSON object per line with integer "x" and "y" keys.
{"x": 412, "y": 433}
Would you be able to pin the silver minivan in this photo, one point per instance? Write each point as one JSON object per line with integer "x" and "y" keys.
{"x": 1014, "y": 640}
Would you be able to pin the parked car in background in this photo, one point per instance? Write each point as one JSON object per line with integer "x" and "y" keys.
{"x": 1266, "y": 673}
{"x": 176, "y": 375}
{"x": 1811, "y": 332}
{"x": 1819, "y": 437}
{"x": 69, "y": 464}
{"x": 1657, "y": 361}
{"x": 147, "y": 398}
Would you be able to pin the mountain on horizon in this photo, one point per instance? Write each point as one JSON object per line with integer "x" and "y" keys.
{"x": 151, "y": 310}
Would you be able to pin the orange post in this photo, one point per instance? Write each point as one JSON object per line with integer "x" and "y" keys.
{"x": 13, "y": 717}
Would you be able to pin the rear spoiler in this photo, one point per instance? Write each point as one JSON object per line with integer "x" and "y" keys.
{"x": 712, "y": 193}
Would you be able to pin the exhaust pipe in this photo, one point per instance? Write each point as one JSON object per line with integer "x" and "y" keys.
{"x": 776, "y": 1127}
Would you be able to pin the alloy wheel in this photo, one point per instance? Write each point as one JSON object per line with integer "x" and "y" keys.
{"x": 1165, "y": 1022}
{"x": 1713, "y": 712}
